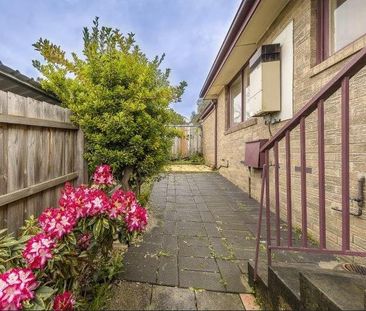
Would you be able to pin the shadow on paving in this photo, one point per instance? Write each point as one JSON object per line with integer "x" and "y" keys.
{"x": 204, "y": 238}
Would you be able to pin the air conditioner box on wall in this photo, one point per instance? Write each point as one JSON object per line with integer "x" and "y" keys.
{"x": 264, "y": 96}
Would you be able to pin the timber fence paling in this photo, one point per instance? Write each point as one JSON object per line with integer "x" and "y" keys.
{"x": 40, "y": 150}
{"x": 189, "y": 144}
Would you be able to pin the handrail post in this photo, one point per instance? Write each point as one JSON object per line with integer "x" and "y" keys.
{"x": 277, "y": 194}
{"x": 268, "y": 211}
{"x": 345, "y": 165}
{"x": 304, "y": 218}
{"x": 288, "y": 190}
{"x": 321, "y": 175}
{"x": 259, "y": 225}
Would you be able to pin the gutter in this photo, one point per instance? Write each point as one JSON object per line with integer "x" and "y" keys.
{"x": 207, "y": 110}
{"x": 241, "y": 19}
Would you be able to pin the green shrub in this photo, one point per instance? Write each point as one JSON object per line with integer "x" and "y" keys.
{"x": 118, "y": 97}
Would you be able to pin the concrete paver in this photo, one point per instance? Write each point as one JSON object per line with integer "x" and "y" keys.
{"x": 197, "y": 216}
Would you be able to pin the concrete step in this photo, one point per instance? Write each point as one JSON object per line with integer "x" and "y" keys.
{"x": 284, "y": 284}
{"x": 308, "y": 287}
{"x": 332, "y": 290}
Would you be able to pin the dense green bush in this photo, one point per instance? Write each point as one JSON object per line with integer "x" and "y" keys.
{"x": 118, "y": 97}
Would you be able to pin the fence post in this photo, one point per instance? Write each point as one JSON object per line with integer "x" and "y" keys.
{"x": 80, "y": 163}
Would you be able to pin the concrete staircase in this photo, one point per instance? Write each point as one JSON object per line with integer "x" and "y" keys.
{"x": 308, "y": 287}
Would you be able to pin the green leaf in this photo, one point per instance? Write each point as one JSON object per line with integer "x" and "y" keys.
{"x": 71, "y": 238}
{"x": 3, "y": 231}
{"x": 105, "y": 223}
{"x": 44, "y": 292}
{"x": 92, "y": 221}
{"x": 97, "y": 228}
{"x": 39, "y": 303}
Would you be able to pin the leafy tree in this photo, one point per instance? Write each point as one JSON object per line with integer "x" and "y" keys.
{"x": 118, "y": 97}
{"x": 178, "y": 119}
{"x": 194, "y": 118}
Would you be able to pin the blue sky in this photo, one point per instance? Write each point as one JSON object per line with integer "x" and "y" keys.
{"x": 190, "y": 32}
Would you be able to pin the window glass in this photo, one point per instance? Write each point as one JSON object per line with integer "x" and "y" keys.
{"x": 236, "y": 101}
{"x": 248, "y": 109}
{"x": 347, "y": 22}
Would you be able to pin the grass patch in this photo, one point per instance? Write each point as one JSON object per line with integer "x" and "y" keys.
{"x": 194, "y": 159}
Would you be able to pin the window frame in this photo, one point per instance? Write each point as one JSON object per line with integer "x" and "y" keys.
{"x": 323, "y": 33}
{"x": 230, "y": 113}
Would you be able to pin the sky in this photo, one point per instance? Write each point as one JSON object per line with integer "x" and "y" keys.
{"x": 189, "y": 32}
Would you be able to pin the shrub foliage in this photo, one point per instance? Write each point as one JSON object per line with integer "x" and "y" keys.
{"x": 119, "y": 97}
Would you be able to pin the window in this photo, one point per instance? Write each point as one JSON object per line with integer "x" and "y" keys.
{"x": 340, "y": 23}
{"x": 347, "y": 22}
{"x": 236, "y": 102}
{"x": 238, "y": 89}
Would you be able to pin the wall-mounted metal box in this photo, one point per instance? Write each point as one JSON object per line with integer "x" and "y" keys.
{"x": 264, "y": 95}
{"x": 253, "y": 158}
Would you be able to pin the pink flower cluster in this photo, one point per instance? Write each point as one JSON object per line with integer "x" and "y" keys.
{"x": 16, "y": 286}
{"x": 136, "y": 218}
{"x": 64, "y": 302}
{"x": 103, "y": 176}
{"x": 57, "y": 222}
{"x": 96, "y": 202}
{"x": 121, "y": 203}
{"x": 38, "y": 250}
{"x": 125, "y": 204}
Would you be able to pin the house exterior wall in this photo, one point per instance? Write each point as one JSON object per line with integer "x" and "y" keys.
{"x": 208, "y": 138}
{"x": 308, "y": 79}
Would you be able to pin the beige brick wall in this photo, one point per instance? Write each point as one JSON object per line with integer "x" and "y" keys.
{"x": 208, "y": 138}
{"x": 308, "y": 79}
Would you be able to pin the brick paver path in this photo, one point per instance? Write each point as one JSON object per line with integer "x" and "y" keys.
{"x": 204, "y": 237}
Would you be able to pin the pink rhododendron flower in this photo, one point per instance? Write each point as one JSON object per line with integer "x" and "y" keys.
{"x": 64, "y": 302}
{"x": 96, "y": 202}
{"x": 38, "y": 250}
{"x": 118, "y": 204}
{"x": 16, "y": 286}
{"x": 56, "y": 222}
{"x": 103, "y": 176}
{"x": 121, "y": 203}
{"x": 136, "y": 218}
{"x": 73, "y": 200}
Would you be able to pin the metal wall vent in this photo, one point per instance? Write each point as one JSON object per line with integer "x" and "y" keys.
{"x": 354, "y": 268}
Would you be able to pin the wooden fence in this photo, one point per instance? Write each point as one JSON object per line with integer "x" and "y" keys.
{"x": 190, "y": 142}
{"x": 40, "y": 151}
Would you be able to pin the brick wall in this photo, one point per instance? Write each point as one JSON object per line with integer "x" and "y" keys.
{"x": 208, "y": 138}
{"x": 308, "y": 79}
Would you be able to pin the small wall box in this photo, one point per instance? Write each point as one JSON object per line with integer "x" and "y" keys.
{"x": 253, "y": 158}
{"x": 265, "y": 80}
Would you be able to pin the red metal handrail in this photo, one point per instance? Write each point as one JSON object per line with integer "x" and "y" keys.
{"x": 339, "y": 81}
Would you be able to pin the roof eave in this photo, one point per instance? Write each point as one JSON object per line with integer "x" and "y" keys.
{"x": 241, "y": 19}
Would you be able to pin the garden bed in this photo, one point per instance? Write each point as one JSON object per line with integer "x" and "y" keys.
{"x": 67, "y": 257}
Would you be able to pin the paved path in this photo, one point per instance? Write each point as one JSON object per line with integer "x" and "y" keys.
{"x": 196, "y": 256}
{"x": 143, "y": 296}
{"x": 204, "y": 237}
